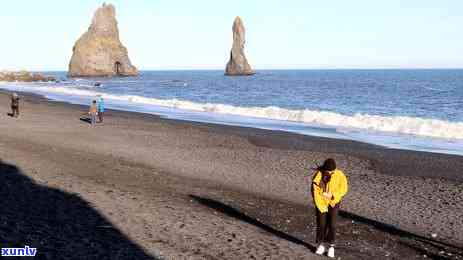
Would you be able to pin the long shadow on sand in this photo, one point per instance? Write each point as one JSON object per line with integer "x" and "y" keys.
{"x": 85, "y": 119}
{"x": 234, "y": 213}
{"x": 416, "y": 242}
{"x": 59, "y": 224}
{"x": 402, "y": 233}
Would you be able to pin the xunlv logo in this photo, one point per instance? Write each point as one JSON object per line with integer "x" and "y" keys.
{"x": 26, "y": 251}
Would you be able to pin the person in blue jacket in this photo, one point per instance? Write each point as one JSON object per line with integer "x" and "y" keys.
{"x": 101, "y": 109}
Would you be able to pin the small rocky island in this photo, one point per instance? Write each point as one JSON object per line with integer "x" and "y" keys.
{"x": 24, "y": 76}
{"x": 99, "y": 52}
{"x": 238, "y": 64}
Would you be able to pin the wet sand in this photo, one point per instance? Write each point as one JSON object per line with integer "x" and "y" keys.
{"x": 180, "y": 190}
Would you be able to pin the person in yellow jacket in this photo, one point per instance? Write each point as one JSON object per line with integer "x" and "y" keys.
{"x": 329, "y": 185}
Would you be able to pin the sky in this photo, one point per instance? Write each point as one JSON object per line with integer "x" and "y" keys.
{"x": 280, "y": 34}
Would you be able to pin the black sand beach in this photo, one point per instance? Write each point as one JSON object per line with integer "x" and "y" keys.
{"x": 167, "y": 189}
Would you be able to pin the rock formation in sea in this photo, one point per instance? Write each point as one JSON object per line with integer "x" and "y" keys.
{"x": 99, "y": 52}
{"x": 24, "y": 76}
{"x": 238, "y": 65}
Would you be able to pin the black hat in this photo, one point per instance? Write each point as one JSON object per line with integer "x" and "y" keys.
{"x": 328, "y": 165}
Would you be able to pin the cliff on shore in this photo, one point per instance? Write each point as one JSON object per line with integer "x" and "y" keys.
{"x": 99, "y": 51}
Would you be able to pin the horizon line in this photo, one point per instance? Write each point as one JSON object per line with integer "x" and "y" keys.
{"x": 262, "y": 69}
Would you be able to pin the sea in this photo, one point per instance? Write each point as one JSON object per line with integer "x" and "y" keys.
{"x": 409, "y": 109}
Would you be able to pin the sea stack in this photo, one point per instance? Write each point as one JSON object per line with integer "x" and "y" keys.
{"x": 99, "y": 52}
{"x": 238, "y": 65}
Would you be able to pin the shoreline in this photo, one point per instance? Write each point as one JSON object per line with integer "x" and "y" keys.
{"x": 382, "y": 158}
{"x": 280, "y": 120}
{"x": 187, "y": 173}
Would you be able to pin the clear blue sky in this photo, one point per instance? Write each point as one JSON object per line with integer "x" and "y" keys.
{"x": 312, "y": 34}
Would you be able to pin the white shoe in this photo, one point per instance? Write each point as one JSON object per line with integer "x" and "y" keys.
{"x": 320, "y": 250}
{"x": 331, "y": 252}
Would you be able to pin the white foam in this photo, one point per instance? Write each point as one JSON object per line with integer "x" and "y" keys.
{"x": 393, "y": 124}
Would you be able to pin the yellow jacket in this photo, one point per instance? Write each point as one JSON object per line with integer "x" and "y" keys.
{"x": 336, "y": 186}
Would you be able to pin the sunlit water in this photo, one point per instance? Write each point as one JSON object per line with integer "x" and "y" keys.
{"x": 408, "y": 109}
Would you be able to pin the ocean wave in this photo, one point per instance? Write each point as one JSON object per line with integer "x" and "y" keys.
{"x": 391, "y": 124}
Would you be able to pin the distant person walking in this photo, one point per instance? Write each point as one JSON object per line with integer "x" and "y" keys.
{"x": 15, "y": 105}
{"x": 101, "y": 109}
{"x": 329, "y": 185}
{"x": 93, "y": 112}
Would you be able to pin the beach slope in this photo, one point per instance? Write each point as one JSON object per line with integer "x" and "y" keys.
{"x": 182, "y": 190}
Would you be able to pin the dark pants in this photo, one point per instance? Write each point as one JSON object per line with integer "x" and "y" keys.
{"x": 100, "y": 116}
{"x": 326, "y": 225}
{"x": 15, "y": 111}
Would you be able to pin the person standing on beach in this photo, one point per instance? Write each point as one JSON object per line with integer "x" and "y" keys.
{"x": 15, "y": 105}
{"x": 329, "y": 185}
{"x": 93, "y": 111}
{"x": 100, "y": 109}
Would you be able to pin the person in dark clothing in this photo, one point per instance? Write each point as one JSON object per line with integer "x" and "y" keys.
{"x": 329, "y": 185}
{"x": 15, "y": 105}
